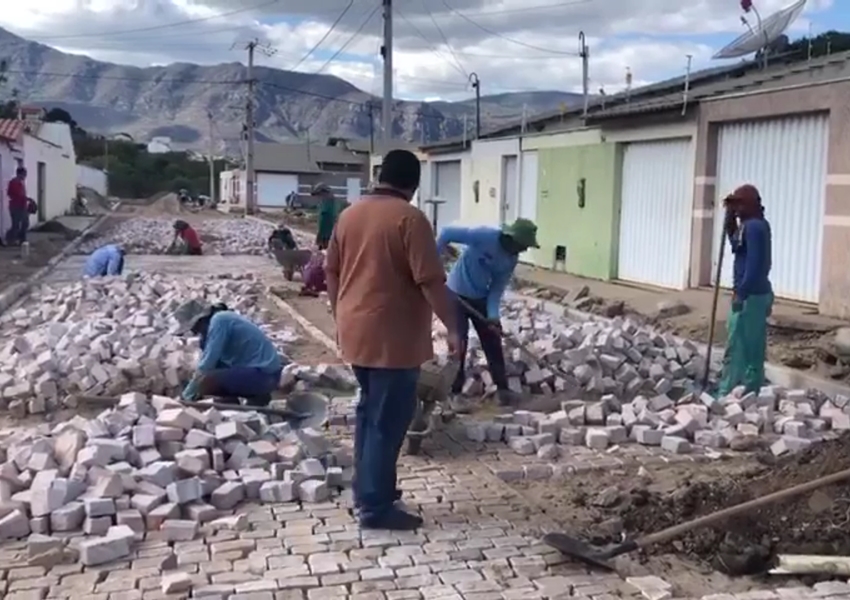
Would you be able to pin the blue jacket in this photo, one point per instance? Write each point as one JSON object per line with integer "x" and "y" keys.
{"x": 234, "y": 341}
{"x": 484, "y": 268}
{"x": 106, "y": 260}
{"x": 751, "y": 246}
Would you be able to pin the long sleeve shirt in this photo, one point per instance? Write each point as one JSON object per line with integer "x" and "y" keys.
{"x": 106, "y": 260}
{"x": 484, "y": 268}
{"x": 751, "y": 246}
{"x": 17, "y": 193}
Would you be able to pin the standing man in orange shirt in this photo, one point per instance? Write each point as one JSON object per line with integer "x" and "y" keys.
{"x": 384, "y": 279}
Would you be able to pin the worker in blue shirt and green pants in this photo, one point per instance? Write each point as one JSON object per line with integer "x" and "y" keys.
{"x": 479, "y": 279}
{"x": 752, "y": 300}
{"x": 237, "y": 360}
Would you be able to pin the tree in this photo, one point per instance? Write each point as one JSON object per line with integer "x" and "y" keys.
{"x": 829, "y": 42}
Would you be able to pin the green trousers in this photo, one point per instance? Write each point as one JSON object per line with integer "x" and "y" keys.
{"x": 746, "y": 345}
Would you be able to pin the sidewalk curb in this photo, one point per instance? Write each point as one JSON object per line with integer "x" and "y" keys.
{"x": 17, "y": 291}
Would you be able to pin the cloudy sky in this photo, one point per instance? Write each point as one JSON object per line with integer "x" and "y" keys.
{"x": 512, "y": 45}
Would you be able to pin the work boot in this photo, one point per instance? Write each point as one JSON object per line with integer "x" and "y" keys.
{"x": 393, "y": 520}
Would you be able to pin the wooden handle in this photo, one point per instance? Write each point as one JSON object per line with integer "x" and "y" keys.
{"x": 677, "y": 530}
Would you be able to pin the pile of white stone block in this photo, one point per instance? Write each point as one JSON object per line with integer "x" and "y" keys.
{"x": 154, "y": 464}
{"x": 587, "y": 358}
{"x": 623, "y": 383}
{"x": 111, "y": 335}
{"x": 153, "y": 235}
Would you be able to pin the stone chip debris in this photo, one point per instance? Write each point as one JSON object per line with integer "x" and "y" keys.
{"x": 620, "y": 383}
{"x": 111, "y": 335}
{"x": 153, "y": 464}
{"x": 152, "y": 235}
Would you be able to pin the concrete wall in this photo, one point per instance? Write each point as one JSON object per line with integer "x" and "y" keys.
{"x": 65, "y": 169}
{"x": 8, "y": 166}
{"x": 589, "y": 233}
{"x": 485, "y": 167}
{"x": 833, "y": 98}
{"x": 94, "y": 179}
{"x": 579, "y": 137}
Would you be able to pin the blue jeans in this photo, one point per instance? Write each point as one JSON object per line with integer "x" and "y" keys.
{"x": 250, "y": 383}
{"x": 386, "y": 408}
{"x": 17, "y": 233}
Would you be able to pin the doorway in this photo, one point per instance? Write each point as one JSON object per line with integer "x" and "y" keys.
{"x": 509, "y": 203}
{"x": 40, "y": 185}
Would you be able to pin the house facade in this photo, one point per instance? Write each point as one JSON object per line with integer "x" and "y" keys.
{"x": 633, "y": 190}
{"x": 282, "y": 169}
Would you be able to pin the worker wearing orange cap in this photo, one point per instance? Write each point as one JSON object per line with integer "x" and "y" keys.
{"x": 752, "y": 300}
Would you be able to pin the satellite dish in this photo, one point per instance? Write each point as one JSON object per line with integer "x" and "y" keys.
{"x": 764, "y": 34}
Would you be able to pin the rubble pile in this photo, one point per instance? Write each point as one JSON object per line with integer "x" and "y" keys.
{"x": 153, "y": 464}
{"x": 112, "y": 335}
{"x": 634, "y": 384}
{"x": 151, "y": 235}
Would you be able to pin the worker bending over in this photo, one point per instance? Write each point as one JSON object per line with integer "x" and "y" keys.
{"x": 237, "y": 359}
{"x": 106, "y": 260}
{"x": 479, "y": 279}
{"x": 186, "y": 240}
{"x": 752, "y": 299}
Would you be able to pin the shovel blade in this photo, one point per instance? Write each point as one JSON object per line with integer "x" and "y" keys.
{"x": 577, "y": 549}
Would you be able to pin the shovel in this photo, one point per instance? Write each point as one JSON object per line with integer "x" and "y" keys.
{"x": 713, "y": 324}
{"x": 594, "y": 557}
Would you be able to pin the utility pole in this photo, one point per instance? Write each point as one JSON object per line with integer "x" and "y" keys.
{"x": 584, "y": 53}
{"x": 387, "y": 54}
{"x": 476, "y": 85}
{"x": 212, "y": 159}
{"x": 250, "y": 207}
{"x": 371, "y": 127}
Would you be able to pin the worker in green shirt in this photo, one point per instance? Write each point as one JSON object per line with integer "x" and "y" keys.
{"x": 329, "y": 209}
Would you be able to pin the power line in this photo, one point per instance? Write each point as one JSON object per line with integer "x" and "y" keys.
{"x": 457, "y": 67}
{"x": 349, "y": 40}
{"x": 164, "y": 26}
{"x": 445, "y": 40}
{"x": 504, "y": 37}
{"x": 324, "y": 37}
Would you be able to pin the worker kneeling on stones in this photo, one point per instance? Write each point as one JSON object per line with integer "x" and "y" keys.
{"x": 106, "y": 260}
{"x": 479, "y": 279}
{"x": 237, "y": 359}
{"x": 186, "y": 240}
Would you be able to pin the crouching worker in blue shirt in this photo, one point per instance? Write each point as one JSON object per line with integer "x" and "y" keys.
{"x": 479, "y": 279}
{"x": 106, "y": 260}
{"x": 237, "y": 360}
{"x": 752, "y": 299}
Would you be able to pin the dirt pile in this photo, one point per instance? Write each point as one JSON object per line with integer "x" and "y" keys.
{"x": 816, "y": 523}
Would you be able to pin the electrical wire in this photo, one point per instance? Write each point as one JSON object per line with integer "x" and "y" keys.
{"x": 432, "y": 47}
{"x": 324, "y": 37}
{"x": 353, "y": 37}
{"x": 164, "y": 26}
{"x": 445, "y": 40}
{"x": 504, "y": 37}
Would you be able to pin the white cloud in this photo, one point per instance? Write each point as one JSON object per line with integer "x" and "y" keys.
{"x": 651, "y": 37}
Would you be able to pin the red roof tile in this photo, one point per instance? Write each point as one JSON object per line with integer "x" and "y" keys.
{"x": 11, "y": 129}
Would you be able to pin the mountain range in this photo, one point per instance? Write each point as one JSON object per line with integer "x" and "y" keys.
{"x": 175, "y": 100}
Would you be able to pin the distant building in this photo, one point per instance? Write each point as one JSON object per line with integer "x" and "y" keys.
{"x": 285, "y": 168}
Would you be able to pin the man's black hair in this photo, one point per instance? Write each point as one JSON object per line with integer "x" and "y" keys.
{"x": 401, "y": 170}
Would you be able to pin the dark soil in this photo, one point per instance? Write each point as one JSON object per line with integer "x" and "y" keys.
{"x": 814, "y": 523}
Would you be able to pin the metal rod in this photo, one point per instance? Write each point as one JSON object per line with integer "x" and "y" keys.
{"x": 250, "y": 200}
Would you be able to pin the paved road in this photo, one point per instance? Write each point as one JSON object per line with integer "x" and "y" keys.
{"x": 71, "y": 268}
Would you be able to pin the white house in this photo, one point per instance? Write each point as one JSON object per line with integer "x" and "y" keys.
{"x": 51, "y": 165}
{"x": 159, "y": 145}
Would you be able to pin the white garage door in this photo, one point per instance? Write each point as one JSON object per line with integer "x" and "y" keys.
{"x": 273, "y": 188}
{"x": 786, "y": 160}
{"x": 447, "y": 181}
{"x": 655, "y": 213}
